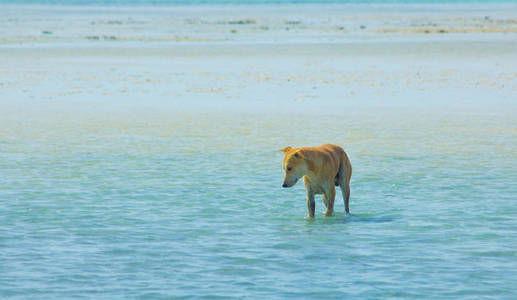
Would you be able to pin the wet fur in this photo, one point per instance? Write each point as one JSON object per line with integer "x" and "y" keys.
{"x": 322, "y": 169}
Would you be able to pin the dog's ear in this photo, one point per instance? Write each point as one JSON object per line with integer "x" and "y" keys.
{"x": 286, "y": 149}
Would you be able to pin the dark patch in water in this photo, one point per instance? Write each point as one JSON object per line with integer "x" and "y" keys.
{"x": 363, "y": 219}
{"x": 342, "y": 218}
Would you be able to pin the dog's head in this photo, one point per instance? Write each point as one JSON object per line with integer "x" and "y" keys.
{"x": 294, "y": 166}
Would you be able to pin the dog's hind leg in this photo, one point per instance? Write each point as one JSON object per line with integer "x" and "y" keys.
{"x": 345, "y": 173}
{"x": 345, "y": 190}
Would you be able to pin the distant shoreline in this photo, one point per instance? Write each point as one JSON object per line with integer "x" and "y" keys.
{"x": 259, "y": 25}
{"x": 370, "y": 7}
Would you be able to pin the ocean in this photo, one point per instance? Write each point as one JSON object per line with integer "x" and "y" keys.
{"x": 244, "y": 2}
{"x": 139, "y": 152}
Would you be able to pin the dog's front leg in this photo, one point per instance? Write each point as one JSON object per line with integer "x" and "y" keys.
{"x": 330, "y": 196}
{"x": 311, "y": 204}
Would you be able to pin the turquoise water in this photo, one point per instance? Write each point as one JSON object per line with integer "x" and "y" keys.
{"x": 151, "y": 170}
{"x": 245, "y": 2}
{"x": 115, "y": 206}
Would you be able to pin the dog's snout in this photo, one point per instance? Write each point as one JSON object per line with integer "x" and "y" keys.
{"x": 284, "y": 185}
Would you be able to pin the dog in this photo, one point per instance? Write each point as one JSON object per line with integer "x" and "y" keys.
{"x": 322, "y": 168}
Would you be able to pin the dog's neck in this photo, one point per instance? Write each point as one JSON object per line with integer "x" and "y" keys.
{"x": 311, "y": 166}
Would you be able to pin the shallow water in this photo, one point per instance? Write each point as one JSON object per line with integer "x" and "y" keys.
{"x": 192, "y": 207}
{"x": 151, "y": 170}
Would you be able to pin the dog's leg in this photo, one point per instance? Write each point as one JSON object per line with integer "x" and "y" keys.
{"x": 330, "y": 196}
{"x": 311, "y": 204}
{"x": 345, "y": 190}
{"x": 345, "y": 173}
{"x": 326, "y": 202}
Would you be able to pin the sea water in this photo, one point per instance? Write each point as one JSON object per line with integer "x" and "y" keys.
{"x": 243, "y": 2}
{"x": 152, "y": 175}
{"x": 191, "y": 207}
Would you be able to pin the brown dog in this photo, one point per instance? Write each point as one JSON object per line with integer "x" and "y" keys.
{"x": 321, "y": 168}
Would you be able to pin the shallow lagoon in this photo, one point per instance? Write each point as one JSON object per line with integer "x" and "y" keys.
{"x": 182, "y": 207}
{"x": 142, "y": 172}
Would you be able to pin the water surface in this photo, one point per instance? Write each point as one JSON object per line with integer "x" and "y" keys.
{"x": 151, "y": 169}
